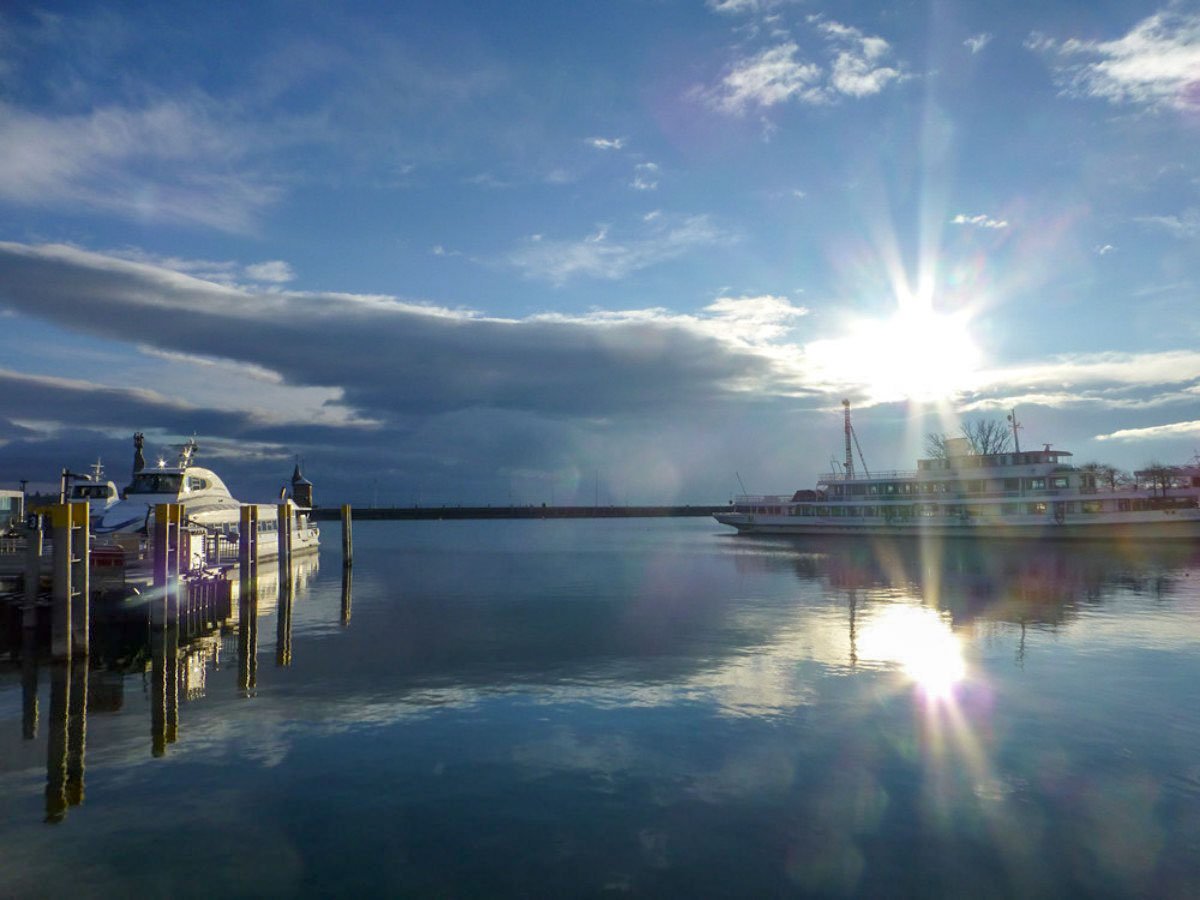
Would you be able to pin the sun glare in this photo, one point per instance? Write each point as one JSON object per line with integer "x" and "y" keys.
{"x": 920, "y": 642}
{"x": 916, "y": 354}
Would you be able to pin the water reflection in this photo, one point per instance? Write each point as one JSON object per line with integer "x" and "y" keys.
{"x": 175, "y": 650}
{"x": 920, "y": 641}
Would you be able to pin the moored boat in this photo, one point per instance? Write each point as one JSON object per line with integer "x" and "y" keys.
{"x": 207, "y": 504}
{"x": 99, "y": 494}
{"x": 1021, "y": 494}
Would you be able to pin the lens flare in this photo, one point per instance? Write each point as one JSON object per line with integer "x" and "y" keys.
{"x": 918, "y": 640}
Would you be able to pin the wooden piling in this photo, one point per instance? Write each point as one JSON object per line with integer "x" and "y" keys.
{"x": 347, "y": 536}
{"x": 70, "y": 599}
{"x": 168, "y": 524}
{"x": 34, "y": 535}
{"x": 284, "y": 535}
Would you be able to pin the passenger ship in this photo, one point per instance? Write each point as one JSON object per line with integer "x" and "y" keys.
{"x": 1030, "y": 494}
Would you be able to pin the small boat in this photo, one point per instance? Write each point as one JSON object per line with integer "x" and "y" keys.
{"x": 100, "y": 495}
{"x": 207, "y": 503}
{"x": 1032, "y": 494}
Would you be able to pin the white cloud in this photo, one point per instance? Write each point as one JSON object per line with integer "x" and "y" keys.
{"x": 979, "y": 221}
{"x": 275, "y": 270}
{"x": 1184, "y": 226}
{"x": 857, "y": 69}
{"x": 977, "y": 42}
{"x": 738, "y": 7}
{"x": 1156, "y": 64}
{"x": 171, "y": 161}
{"x": 1104, "y": 249}
{"x": 1175, "y": 429}
{"x": 645, "y": 177}
{"x": 603, "y": 143}
{"x": 597, "y": 256}
{"x": 755, "y": 319}
{"x": 771, "y": 77}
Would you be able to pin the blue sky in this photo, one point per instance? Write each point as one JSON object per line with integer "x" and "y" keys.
{"x": 461, "y": 252}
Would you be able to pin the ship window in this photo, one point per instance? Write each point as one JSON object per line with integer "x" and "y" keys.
{"x": 196, "y": 484}
{"x": 1036, "y": 484}
{"x": 1010, "y": 509}
{"x": 1037, "y": 509}
{"x": 1092, "y": 506}
{"x": 155, "y": 483}
{"x": 1060, "y": 482}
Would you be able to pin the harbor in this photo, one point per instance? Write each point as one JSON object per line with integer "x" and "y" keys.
{"x": 592, "y": 705}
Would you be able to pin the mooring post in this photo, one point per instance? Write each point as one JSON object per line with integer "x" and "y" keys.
{"x": 284, "y": 534}
{"x": 34, "y": 536}
{"x": 81, "y": 589}
{"x": 168, "y": 518}
{"x": 68, "y": 624}
{"x": 347, "y": 536}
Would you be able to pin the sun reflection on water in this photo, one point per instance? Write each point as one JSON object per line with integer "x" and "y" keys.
{"x": 920, "y": 641}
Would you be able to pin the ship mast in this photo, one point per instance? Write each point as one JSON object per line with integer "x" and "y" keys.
{"x": 1012, "y": 418}
{"x": 849, "y": 455}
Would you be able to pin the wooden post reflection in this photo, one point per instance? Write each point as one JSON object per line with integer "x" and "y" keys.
{"x": 283, "y": 629}
{"x": 248, "y": 600}
{"x": 56, "y": 744}
{"x": 76, "y": 730}
{"x": 171, "y": 683}
{"x": 347, "y": 584}
{"x": 29, "y": 684}
{"x": 158, "y": 691}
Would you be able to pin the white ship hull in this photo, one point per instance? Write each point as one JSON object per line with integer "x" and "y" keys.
{"x": 1161, "y": 526}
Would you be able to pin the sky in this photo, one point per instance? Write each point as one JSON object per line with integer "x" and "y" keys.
{"x": 615, "y": 251}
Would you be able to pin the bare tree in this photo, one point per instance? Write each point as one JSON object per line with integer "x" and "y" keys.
{"x": 983, "y": 436}
{"x": 1106, "y": 474}
{"x": 1158, "y": 475}
{"x": 987, "y": 436}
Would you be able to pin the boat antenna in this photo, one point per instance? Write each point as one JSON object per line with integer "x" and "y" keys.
{"x": 849, "y": 432}
{"x": 743, "y": 487}
{"x": 1012, "y": 420}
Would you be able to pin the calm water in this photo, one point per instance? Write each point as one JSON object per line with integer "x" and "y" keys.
{"x": 653, "y": 707}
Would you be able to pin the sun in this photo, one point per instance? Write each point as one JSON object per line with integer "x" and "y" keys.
{"x": 916, "y": 354}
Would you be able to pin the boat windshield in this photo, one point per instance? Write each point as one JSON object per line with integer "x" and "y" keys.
{"x": 90, "y": 492}
{"x": 155, "y": 483}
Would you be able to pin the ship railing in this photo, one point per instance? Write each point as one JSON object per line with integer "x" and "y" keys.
{"x": 762, "y": 499}
{"x": 874, "y": 476}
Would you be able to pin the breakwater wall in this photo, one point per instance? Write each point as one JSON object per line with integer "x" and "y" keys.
{"x": 333, "y": 513}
